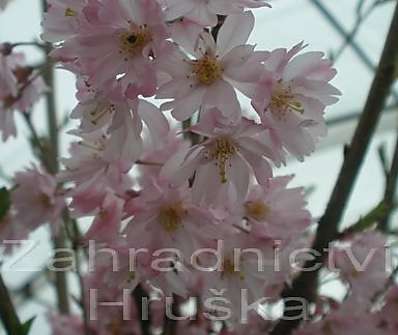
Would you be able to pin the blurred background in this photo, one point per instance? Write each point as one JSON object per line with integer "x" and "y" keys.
{"x": 351, "y": 32}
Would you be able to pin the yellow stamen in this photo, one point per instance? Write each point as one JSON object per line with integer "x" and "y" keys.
{"x": 133, "y": 42}
{"x": 70, "y": 12}
{"x": 8, "y": 101}
{"x": 45, "y": 200}
{"x": 207, "y": 70}
{"x": 282, "y": 101}
{"x": 99, "y": 112}
{"x": 171, "y": 217}
{"x": 222, "y": 152}
{"x": 115, "y": 327}
{"x": 257, "y": 210}
{"x": 228, "y": 269}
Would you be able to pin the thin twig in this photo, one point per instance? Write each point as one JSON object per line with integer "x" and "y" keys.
{"x": 391, "y": 186}
{"x": 61, "y": 283}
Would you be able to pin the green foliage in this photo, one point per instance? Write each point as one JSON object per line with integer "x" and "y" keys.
{"x": 25, "y": 327}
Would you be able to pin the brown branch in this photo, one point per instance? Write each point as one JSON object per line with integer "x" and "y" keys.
{"x": 61, "y": 283}
{"x": 305, "y": 285}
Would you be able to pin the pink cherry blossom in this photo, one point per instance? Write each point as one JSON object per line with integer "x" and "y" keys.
{"x": 205, "y": 12}
{"x": 35, "y": 199}
{"x": 66, "y": 324}
{"x": 107, "y": 223}
{"x": 364, "y": 266}
{"x": 291, "y": 97}
{"x": 275, "y": 211}
{"x": 20, "y": 88}
{"x": 208, "y": 80}
{"x": 230, "y": 153}
{"x": 165, "y": 217}
{"x": 246, "y": 264}
{"x": 157, "y": 154}
{"x": 128, "y": 35}
{"x": 63, "y": 19}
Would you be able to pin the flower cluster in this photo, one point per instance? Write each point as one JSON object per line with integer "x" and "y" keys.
{"x": 190, "y": 211}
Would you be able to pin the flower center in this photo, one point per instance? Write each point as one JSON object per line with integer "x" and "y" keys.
{"x": 45, "y": 200}
{"x": 207, "y": 70}
{"x": 256, "y": 210}
{"x": 70, "y": 12}
{"x": 222, "y": 152}
{"x": 283, "y": 101}
{"x": 131, "y": 43}
{"x": 8, "y": 101}
{"x": 115, "y": 327}
{"x": 99, "y": 112}
{"x": 170, "y": 217}
{"x": 228, "y": 269}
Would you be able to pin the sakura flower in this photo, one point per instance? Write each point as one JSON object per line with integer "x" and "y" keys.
{"x": 105, "y": 319}
{"x": 11, "y": 230}
{"x": 62, "y": 19}
{"x": 243, "y": 268}
{"x": 107, "y": 223}
{"x": 127, "y": 35}
{"x": 94, "y": 173}
{"x": 165, "y": 217}
{"x": 291, "y": 97}
{"x": 66, "y": 325}
{"x": 275, "y": 211}
{"x": 20, "y": 88}
{"x": 208, "y": 80}
{"x": 155, "y": 156}
{"x": 35, "y": 199}
{"x": 205, "y": 12}
{"x": 363, "y": 265}
{"x": 230, "y": 153}
{"x": 107, "y": 108}
{"x": 387, "y": 320}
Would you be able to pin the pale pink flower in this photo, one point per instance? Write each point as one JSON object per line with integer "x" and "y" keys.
{"x": 275, "y": 211}
{"x": 11, "y": 230}
{"x": 363, "y": 264}
{"x": 62, "y": 19}
{"x": 245, "y": 264}
{"x": 291, "y": 97}
{"x": 155, "y": 155}
{"x": 20, "y": 88}
{"x": 65, "y": 324}
{"x": 107, "y": 108}
{"x": 106, "y": 226}
{"x": 205, "y": 12}
{"x": 35, "y": 199}
{"x": 95, "y": 169}
{"x": 109, "y": 320}
{"x": 185, "y": 33}
{"x": 208, "y": 80}
{"x": 165, "y": 217}
{"x": 127, "y": 35}
{"x": 230, "y": 153}
{"x": 387, "y": 317}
